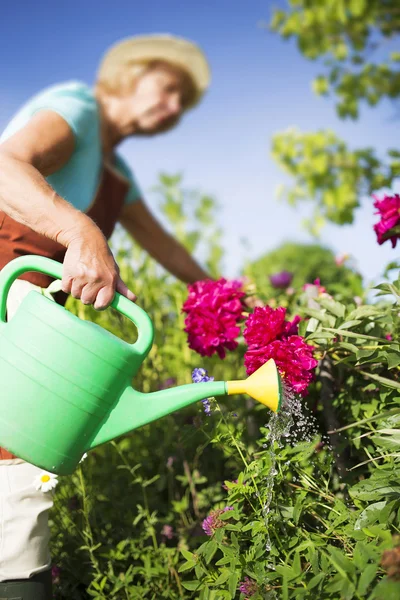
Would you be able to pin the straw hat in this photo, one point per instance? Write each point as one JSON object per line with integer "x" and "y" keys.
{"x": 177, "y": 51}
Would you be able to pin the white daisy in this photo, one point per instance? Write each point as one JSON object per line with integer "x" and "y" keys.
{"x": 45, "y": 481}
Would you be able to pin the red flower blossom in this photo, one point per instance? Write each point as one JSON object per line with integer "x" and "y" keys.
{"x": 213, "y": 310}
{"x": 389, "y": 210}
{"x": 265, "y": 340}
{"x": 264, "y": 325}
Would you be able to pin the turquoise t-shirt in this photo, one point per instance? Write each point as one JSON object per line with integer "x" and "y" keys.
{"x": 78, "y": 180}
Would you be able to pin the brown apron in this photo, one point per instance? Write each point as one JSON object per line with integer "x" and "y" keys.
{"x": 18, "y": 240}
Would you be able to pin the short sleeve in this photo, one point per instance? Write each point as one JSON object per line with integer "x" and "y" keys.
{"x": 135, "y": 193}
{"x": 76, "y": 105}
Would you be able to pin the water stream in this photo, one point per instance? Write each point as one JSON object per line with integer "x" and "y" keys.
{"x": 291, "y": 423}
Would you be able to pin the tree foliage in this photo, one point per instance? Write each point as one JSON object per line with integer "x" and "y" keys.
{"x": 348, "y": 34}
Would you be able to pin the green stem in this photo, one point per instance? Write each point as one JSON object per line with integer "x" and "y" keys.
{"x": 145, "y": 501}
{"x": 241, "y": 456}
{"x": 89, "y": 533}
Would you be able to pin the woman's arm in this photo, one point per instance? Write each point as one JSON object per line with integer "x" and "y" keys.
{"x": 140, "y": 223}
{"x": 42, "y": 147}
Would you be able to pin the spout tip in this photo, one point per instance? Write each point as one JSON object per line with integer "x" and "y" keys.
{"x": 264, "y": 385}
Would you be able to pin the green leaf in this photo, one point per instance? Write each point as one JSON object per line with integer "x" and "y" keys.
{"x": 286, "y": 571}
{"x": 382, "y": 484}
{"x": 383, "y": 380}
{"x": 386, "y": 589}
{"x": 393, "y": 359}
{"x": 188, "y": 555}
{"x": 315, "y": 581}
{"x": 332, "y": 306}
{"x": 297, "y": 564}
{"x": 352, "y": 334}
{"x": 210, "y": 550}
{"x": 348, "y": 324}
{"x": 192, "y": 585}
{"x": 341, "y": 562}
{"x": 234, "y": 541}
{"x": 369, "y": 515}
{"x": 190, "y": 564}
{"x": 232, "y": 582}
{"x": 387, "y": 438}
{"x": 222, "y": 578}
{"x": 360, "y": 555}
{"x": 357, "y": 7}
{"x": 348, "y": 346}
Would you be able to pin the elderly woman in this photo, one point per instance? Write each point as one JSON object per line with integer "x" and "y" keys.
{"x": 63, "y": 188}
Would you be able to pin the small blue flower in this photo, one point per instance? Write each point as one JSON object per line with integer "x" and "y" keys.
{"x": 200, "y": 375}
{"x": 207, "y": 406}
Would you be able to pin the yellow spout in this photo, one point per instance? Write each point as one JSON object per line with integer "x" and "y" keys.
{"x": 264, "y": 385}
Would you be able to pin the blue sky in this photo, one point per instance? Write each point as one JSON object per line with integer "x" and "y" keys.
{"x": 261, "y": 85}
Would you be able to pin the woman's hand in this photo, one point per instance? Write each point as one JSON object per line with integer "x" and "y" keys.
{"x": 90, "y": 272}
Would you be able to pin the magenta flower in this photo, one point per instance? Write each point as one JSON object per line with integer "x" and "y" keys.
{"x": 213, "y": 310}
{"x": 389, "y": 210}
{"x": 213, "y": 522}
{"x": 248, "y": 587}
{"x": 268, "y": 335}
{"x": 281, "y": 280}
{"x": 267, "y": 324}
{"x": 315, "y": 284}
{"x": 264, "y": 325}
{"x": 293, "y": 357}
{"x": 291, "y": 327}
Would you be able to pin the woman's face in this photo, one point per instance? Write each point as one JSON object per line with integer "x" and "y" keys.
{"x": 158, "y": 99}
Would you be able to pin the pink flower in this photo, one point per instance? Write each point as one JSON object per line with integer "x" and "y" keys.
{"x": 167, "y": 532}
{"x": 213, "y": 310}
{"x": 389, "y": 210}
{"x": 248, "y": 587}
{"x": 293, "y": 357}
{"x": 389, "y": 337}
{"x": 265, "y": 340}
{"x": 317, "y": 284}
{"x": 213, "y": 522}
{"x": 264, "y": 325}
{"x": 267, "y": 324}
{"x": 291, "y": 327}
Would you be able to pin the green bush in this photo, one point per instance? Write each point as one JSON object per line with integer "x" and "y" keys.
{"x": 308, "y": 519}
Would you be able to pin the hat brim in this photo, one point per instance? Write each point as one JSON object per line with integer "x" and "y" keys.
{"x": 171, "y": 49}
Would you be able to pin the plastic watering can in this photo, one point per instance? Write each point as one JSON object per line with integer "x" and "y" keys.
{"x": 66, "y": 383}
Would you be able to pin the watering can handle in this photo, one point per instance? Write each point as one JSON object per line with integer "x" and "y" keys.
{"x": 50, "y": 267}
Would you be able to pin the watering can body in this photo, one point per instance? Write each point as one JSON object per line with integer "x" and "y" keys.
{"x": 66, "y": 383}
{"x": 60, "y": 376}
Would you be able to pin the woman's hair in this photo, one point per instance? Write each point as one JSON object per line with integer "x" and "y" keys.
{"x": 124, "y": 79}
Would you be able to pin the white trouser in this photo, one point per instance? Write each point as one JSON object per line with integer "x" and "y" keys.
{"x": 24, "y": 528}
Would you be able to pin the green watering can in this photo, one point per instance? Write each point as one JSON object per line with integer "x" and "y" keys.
{"x": 66, "y": 383}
